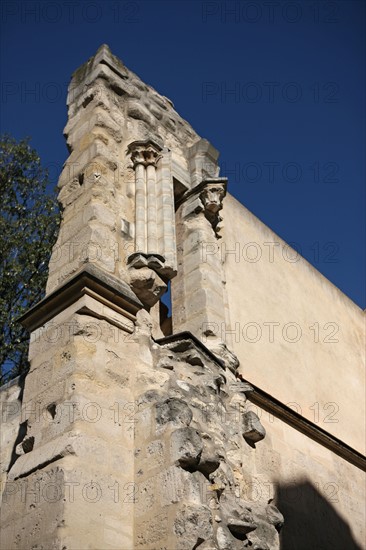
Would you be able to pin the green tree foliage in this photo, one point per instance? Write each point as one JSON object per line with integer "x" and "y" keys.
{"x": 29, "y": 220}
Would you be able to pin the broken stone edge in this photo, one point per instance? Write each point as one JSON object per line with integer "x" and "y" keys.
{"x": 188, "y": 337}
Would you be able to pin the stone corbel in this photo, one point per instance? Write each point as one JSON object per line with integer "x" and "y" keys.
{"x": 211, "y": 197}
{"x": 207, "y": 197}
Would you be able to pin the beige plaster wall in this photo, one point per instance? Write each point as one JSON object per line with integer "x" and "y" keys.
{"x": 319, "y": 371}
{"x": 320, "y": 494}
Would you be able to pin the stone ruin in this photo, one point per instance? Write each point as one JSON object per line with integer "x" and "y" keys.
{"x": 135, "y": 430}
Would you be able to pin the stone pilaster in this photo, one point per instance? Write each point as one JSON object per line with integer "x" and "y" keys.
{"x": 76, "y": 450}
{"x": 199, "y": 300}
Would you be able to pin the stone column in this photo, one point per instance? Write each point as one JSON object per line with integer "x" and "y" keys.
{"x": 152, "y": 226}
{"x": 140, "y": 194}
{"x": 154, "y": 260}
{"x": 166, "y": 214}
{"x": 144, "y": 157}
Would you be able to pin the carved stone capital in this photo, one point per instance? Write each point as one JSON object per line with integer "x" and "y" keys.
{"x": 152, "y": 156}
{"x": 144, "y": 152}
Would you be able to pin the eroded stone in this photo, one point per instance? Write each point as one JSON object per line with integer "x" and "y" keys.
{"x": 186, "y": 447}
{"x": 253, "y": 431}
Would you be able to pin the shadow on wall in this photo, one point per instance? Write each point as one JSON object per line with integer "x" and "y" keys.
{"x": 311, "y": 522}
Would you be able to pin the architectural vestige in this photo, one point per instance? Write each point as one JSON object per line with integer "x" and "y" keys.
{"x": 235, "y": 420}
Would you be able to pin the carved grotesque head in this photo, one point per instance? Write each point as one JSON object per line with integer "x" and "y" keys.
{"x": 211, "y": 198}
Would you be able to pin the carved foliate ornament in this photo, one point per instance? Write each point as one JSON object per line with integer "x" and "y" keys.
{"x": 145, "y": 153}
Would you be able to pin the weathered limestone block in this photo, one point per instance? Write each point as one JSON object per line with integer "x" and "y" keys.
{"x": 192, "y": 526}
{"x": 209, "y": 544}
{"x": 224, "y": 538}
{"x": 186, "y": 447}
{"x": 138, "y": 111}
{"x": 274, "y": 515}
{"x": 32, "y": 511}
{"x": 12, "y": 424}
{"x": 253, "y": 430}
{"x": 50, "y": 452}
{"x": 239, "y": 528}
{"x": 202, "y": 161}
{"x": 228, "y": 357}
{"x": 260, "y": 546}
{"x": 265, "y": 537}
{"x": 154, "y": 531}
{"x": 210, "y": 456}
{"x": 173, "y": 411}
{"x": 147, "y": 285}
{"x": 174, "y": 485}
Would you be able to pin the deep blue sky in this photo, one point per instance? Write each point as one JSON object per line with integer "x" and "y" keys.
{"x": 296, "y": 73}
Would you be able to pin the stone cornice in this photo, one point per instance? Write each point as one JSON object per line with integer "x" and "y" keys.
{"x": 90, "y": 281}
{"x": 305, "y": 426}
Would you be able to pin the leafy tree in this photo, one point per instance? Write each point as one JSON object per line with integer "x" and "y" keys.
{"x": 29, "y": 220}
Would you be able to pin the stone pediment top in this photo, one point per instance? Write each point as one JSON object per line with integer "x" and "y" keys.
{"x": 88, "y": 279}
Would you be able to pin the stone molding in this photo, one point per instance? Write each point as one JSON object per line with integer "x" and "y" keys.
{"x": 305, "y": 426}
{"x": 89, "y": 281}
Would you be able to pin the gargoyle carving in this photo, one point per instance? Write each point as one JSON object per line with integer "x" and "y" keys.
{"x": 211, "y": 196}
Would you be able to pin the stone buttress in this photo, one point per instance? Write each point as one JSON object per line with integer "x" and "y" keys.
{"x": 135, "y": 432}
